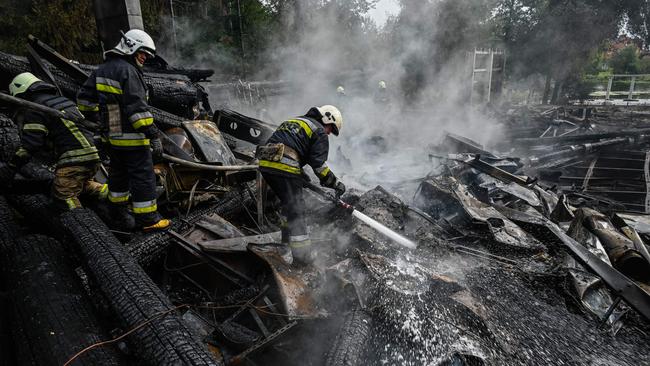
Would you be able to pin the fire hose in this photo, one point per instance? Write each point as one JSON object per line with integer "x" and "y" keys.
{"x": 380, "y": 228}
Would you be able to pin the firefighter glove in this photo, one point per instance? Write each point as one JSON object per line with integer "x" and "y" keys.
{"x": 339, "y": 187}
{"x": 156, "y": 149}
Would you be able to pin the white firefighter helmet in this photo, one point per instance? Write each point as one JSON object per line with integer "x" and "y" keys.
{"x": 382, "y": 84}
{"x": 133, "y": 41}
{"x": 340, "y": 90}
{"x": 331, "y": 116}
{"x": 22, "y": 82}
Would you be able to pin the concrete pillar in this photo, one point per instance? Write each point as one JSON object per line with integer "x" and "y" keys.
{"x": 115, "y": 15}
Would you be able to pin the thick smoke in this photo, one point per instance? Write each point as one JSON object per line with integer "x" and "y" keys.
{"x": 183, "y": 44}
{"x": 420, "y": 55}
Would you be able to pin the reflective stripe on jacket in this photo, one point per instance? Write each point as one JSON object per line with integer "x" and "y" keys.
{"x": 116, "y": 95}
{"x": 308, "y": 138}
{"x": 72, "y": 145}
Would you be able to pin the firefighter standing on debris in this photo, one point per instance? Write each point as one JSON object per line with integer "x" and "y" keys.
{"x": 297, "y": 142}
{"x": 116, "y": 94}
{"x": 77, "y": 158}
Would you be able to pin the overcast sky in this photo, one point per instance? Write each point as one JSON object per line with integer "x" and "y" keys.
{"x": 384, "y": 9}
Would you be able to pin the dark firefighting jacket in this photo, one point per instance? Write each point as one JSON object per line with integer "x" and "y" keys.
{"x": 72, "y": 144}
{"x": 116, "y": 95}
{"x": 306, "y": 136}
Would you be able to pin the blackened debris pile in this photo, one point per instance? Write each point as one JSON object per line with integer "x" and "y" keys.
{"x": 530, "y": 252}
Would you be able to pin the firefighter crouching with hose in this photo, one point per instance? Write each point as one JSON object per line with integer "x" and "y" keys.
{"x": 295, "y": 143}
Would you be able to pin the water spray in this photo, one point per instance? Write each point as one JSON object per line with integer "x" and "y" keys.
{"x": 382, "y": 229}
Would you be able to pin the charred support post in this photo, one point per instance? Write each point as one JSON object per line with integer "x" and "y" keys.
{"x": 115, "y": 16}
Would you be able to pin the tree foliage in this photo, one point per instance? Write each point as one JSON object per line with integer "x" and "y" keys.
{"x": 626, "y": 61}
{"x": 66, "y": 25}
{"x": 555, "y": 38}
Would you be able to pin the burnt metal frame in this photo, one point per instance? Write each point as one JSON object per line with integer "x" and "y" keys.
{"x": 236, "y": 278}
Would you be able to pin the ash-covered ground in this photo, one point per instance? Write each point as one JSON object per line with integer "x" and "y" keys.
{"x": 438, "y": 305}
{"x": 480, "y": 289}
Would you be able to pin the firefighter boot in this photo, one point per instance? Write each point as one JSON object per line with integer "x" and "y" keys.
{"x": 161, "y": 225}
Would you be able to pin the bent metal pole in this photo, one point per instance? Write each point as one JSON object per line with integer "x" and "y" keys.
{"x": 217, "y": 168}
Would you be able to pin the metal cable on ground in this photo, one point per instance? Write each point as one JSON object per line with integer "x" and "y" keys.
{"x": 163, "y": 313}
{"x": 99, "y": 344}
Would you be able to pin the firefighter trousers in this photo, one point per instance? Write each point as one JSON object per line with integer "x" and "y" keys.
{"x": 131, "y": 177}
{"x": 72, "y": 181}
{"x": 289, "y": 191}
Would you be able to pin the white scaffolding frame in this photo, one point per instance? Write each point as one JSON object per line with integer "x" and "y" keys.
{"x": 483, "y": 56}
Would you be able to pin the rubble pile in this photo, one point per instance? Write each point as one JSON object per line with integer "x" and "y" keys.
{"x": 534, "y": 251}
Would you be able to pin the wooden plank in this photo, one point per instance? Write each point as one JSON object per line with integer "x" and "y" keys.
{"x": 239, "y": 244}
{"x": 219, "y": 226}
{"x": 212, "y": 227}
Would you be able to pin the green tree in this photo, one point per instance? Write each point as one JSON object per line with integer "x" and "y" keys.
{"x": 563, "y": 39}
{"x": 644, "y": 65}
{"x": 429, "y": 37}
{"x": 638, "y": 18}
{"x": 64, "y": 24}
{"x": 626, "y": 61}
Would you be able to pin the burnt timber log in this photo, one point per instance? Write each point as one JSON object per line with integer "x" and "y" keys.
{"x": 8, "y": 234}
{"x": 52, "y": 319}
{"x": 161, "y": 66}
{"x": 173, "y": 94}
{"x": 134, "y": 297}
{"x": 9, "y": 138}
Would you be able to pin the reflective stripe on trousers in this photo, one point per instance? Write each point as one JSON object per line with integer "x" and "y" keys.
{"x": 299, "y": 241}
{"x": 118, "y": 197}
{"x": 132, "y": 171}
{"x": 73, "y": 203}
{"x": 144, "y": 207}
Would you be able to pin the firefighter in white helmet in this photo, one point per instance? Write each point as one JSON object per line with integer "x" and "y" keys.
{"x": 116, "y": 95}
{"x": 295, "y": 143}
{"x": 381, "y": 95}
